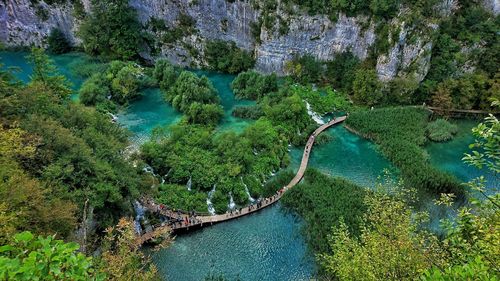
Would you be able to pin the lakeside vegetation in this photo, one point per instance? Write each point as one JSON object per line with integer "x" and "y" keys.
{"x": 64, "y": 174}
{"x": 400, "y": 134}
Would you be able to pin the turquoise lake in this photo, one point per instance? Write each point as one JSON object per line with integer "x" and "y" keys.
{"x": 267, "y": 243}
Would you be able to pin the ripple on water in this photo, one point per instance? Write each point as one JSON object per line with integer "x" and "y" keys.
{"x": 263, "y": 246}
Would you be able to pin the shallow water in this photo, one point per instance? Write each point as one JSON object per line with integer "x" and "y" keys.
{"x": 263, "y": 246}
{"x": 348, "y": 156}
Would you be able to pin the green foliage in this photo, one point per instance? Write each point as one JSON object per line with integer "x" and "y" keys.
{"x": 322, "y": 101}
{"x": 192, "y": 95}
{"x": 80, "y": 159}
{"x": 467, "y": 92}
{"x": 120, "y": 83}
{"x": 178, "y": 197}
{"x": 366, "y": 87}
{"x": 58, "y": 43}
{"x": 441, "y": 130}
{"x": 389, "y": 246}
{"x": 400, "y": 133}
{"x": 473, "y": 29}
{"x": 290, "y": 114}
{"x": 45, "y": 74}
{"x": 324, "y": 202}
{"x": 227, "y": 57}
{"x": 112, "y": 30}
{"x": 30, "y": 258}
{"x": 253, "y": 85}
{"x": 226, "y": 160}
{"x": 165, "y": 74}
{"x": 185, "y": 27}
{"x": 304, "y": 69}
{"x": 341, "y": 71}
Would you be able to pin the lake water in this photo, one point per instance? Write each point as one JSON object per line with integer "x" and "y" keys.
{"x": 266, "y": 245}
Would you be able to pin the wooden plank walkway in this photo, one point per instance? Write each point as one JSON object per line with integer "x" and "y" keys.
{"x": 185, "y": 221}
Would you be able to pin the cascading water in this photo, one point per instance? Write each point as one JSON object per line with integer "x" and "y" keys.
{"x": 250, "y": 198}
{"x": 114, "y": 118}
{"x": 315, "y": 116}
{"x": 148, "y": 169}
{"x": 210, "y": 206}
{"x": 139, "y": 215}
{"x": 231, "y": 205}
{"x": 189, "y": 184}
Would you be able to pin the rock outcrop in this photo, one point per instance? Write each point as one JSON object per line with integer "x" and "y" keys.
{"x": 23, "y": 23}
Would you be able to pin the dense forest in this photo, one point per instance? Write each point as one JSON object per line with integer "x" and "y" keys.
{"x": 69, "y": 177}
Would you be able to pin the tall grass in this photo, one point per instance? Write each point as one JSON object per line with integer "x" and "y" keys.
{"x": 400, "y": 133}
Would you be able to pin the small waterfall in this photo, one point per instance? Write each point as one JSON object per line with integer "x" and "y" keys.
{"x": 210, "y": 206}
{"x": 315, "y": 116}
{"x": 231, "y": 205}
{"x": 148, "y": 169}
{"x": 114, "y": 118}
{"x": 139, "y": 215}
{"x": 189, "y": 184}
{"x": 250, "y": 198}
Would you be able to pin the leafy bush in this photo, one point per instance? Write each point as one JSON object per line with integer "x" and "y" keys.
{"x": 253, "y": 85}
{"x": 30, "y": 258}
{"x": 58, "y": 43}
{"x": 400, "y": 133}
{"x": 304, "y": 69}
{"x": 366, "y": 87}
{"x": 227, "y": 57}
{"x": 441, "y": 130}
{"x": 120, "y": 83}
{"x": 112, "y": 30}
{"x": 178, "y": 197}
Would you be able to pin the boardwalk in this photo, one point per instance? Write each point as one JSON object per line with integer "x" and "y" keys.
{"x": 185, "y": 221}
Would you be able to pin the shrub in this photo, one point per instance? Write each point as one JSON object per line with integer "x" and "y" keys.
{"x": 441, "y": 130}
{"x": 253, "y": 85}
{"x": 227, "y": 57}
{"x": 58, "y": 43}
{"x": 112, "y": 30}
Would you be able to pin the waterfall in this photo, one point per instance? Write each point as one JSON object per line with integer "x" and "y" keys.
{"x": 189, "y": 184}
{"x": 315, "y": 116}
{"x": 139, "y": 215}
{"x": 114, "y": 118}
{"x": 210, "y": 206}
{"x": 148, "y": 169}
{"x": 250, "y": 198}
{"x": 231, "y": 202}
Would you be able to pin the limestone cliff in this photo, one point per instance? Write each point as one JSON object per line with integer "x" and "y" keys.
{"x": 23, "y": 23}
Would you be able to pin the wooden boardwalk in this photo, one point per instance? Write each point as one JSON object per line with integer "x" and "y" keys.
{"x": 184, "y": 221}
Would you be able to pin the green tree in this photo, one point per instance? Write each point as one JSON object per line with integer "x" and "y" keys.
{"x": 472, "y": 241}
{"x": 112, "y": 30}
{"x": 366, "y": 87}
{"x": 58, "y": 43}
{"x": 45, "y": 74}
{"x": 390, "y": 246}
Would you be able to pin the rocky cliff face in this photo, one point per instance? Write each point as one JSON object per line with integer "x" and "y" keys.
{"x": 22, "y": 23}
{"x": 26, "y": 24}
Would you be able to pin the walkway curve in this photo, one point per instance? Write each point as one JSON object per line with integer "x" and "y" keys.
{"x": 185, "y": 221}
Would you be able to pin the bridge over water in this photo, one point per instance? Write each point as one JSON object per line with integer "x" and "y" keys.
{"x": 186, "y": 221}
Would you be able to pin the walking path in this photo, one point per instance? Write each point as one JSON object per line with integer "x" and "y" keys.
{"x": 184, "y": 221}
